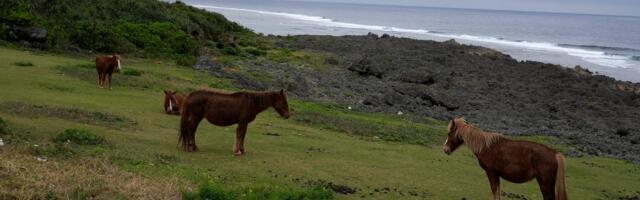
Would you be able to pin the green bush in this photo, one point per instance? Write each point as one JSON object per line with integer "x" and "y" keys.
{"x": 4, "y": 127}
{"x": 148, "y": 28}
{"x": 215, "y": 192}
{"x": 186, "y": 60}
{"x": 229, "y": 50}
{"x": 255, "y": 51}
{"x": 77, "y": 136}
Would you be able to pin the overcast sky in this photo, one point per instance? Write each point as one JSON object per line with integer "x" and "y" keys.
{"x": 606, "y": 7}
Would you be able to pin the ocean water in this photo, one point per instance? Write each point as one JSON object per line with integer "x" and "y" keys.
{"x": 608, "y": 45}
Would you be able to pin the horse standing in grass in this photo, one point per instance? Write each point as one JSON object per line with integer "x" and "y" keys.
{"x": 512, "y": 160}
{"x": 173, "y": 102}
{"x": 227, "y": 109}
{"x": 105, "y": 65}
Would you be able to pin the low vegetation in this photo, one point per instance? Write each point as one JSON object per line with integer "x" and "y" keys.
{"x": 143, "y": 28}
{"x": 91, "y": 143}
{"x": 131, "y": 72}
{"x": 79, "y": 137}
{"x": 395, "y": 129}
{"x": 67, "y": 113}
{"x": 212, "y": 191}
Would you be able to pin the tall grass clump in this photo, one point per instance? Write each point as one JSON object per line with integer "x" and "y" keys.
{"x": 78, "y": 136}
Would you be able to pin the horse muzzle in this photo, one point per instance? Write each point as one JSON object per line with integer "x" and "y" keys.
{"x": 447, "y": 150}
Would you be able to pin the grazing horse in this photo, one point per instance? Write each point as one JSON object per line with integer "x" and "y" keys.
{"x": 513, "y": 160}
{"x": 105, "y": 65}
{"x": 173, "y": 102}
{"x": 227, "y": 109}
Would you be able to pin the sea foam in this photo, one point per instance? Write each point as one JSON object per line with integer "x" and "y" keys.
{"x": 589, "y": 55}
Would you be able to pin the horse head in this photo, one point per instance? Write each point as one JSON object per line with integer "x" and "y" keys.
{"x": 116, "y": 57}
{"x": 281, "y": 104}
{"x": 170, "y": 101}
{"x": 453, "y": 139}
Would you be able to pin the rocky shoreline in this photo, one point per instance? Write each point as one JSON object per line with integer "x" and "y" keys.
{"x": 444, "y": 79}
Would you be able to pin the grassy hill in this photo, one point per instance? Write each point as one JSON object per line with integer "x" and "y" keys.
{"x": 147, "y": 28}
{"x": 43, "y": 94}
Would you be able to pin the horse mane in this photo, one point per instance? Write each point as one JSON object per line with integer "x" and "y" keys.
{"x": 476, "y": 139}
{"x": 261, "y": 99}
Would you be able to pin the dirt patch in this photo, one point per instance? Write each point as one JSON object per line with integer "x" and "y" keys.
{"x": 271, "y": 134}
{"x": 338, "y": 188}
{"x": 511, "y": 195}
{"x": 70, "y": 114}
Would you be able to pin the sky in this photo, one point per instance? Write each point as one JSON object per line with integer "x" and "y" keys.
{"x": 602, "y": 7}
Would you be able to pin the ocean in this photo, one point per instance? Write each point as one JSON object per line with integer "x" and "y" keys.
{"x": 608, "y": 45}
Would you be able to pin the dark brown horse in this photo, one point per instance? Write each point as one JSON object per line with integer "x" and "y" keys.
{"x": 513, "y": 160}
{"x": 227, "y": 109}
{"x": 105, "y": 65}
{"x": 173, "y": 102}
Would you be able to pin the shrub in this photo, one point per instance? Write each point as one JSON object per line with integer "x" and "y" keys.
{"x": 4, "y": 127}
{"x": 229, "y": 50}
{"x": 255, "y": 51}
{"x": 150, "y": 28}
{"x": 186, "y": 60}
{"x": 23, "y": 64}
{"x": 77, "y": 136}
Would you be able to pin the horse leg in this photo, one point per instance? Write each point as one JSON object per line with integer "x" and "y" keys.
{"x": 238, "y": 150}
{"x": 547, "y": 186}
{"x": 494, "y": 180}
{"x": 244, "y": 133}
{"x": 109, "y": 81}
{"x": 100, "y": 79}
{"x": 195, "y": 121}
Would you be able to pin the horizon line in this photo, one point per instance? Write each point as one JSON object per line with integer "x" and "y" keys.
{"x": 463, "y": 8}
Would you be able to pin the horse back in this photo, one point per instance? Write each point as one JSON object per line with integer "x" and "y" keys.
{"x": 105, "y": 63}
{"x": 517, "y": 160}
{"x": 218, "y": 108}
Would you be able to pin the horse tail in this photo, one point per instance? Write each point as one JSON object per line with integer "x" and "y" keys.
{"x": 184, "y": 127}
{"x": 561, "y": 192}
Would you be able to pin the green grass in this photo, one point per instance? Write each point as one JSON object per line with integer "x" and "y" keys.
{"x": 379, "y": 156}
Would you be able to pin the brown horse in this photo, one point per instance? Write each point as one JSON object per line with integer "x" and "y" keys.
{"x": 173, "y": 102}
{"x": 105, "y": 65}
{"x": 227, "y": 109}
{"x": 513, "y": 160}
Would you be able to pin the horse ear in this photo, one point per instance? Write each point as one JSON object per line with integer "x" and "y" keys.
{"x": 452, "y": 124}
{"x": 165, "y": 92}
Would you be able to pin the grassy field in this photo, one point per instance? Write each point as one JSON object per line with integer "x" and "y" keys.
{"x": 378, "y": 156}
